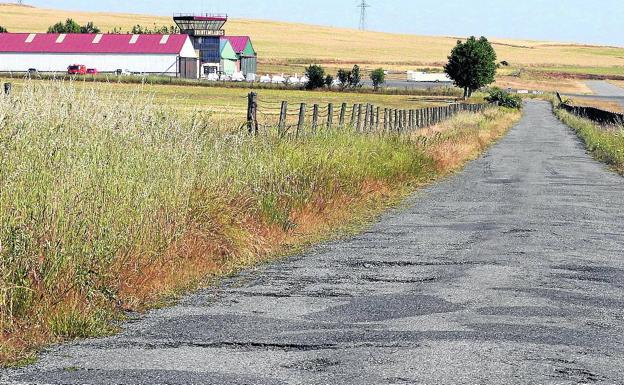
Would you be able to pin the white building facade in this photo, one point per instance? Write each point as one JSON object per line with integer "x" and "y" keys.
{"x": 145, "y": 54}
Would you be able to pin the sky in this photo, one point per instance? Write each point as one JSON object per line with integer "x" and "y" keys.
{"x": 579, "y": 21}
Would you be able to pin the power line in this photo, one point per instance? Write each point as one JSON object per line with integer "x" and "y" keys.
{"x": 363, "y": 6}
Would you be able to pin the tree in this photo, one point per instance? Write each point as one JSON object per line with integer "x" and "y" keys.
{"x": 89, "y": 28}
{"x": 343, "y": 77}
{"x": 3, "y": 30}
{"x": 329, "y": 80}
{"x": 70, "y": 26}
{"x": 378, "y": 77}
{"x": 355, "y": 78}
{"x": 316, "y": 77}
{"x": 472, "y": 64}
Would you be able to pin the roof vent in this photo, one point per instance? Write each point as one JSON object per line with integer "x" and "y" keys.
{"x": 60, "y": 38}
{"x": 30, "y": 38}
{"x": 97, "y": 38}
{"x": 164, "y": 39}
{"x": 134, "y": 39}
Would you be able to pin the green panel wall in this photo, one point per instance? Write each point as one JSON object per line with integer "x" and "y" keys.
{"x": 229, "y": 66}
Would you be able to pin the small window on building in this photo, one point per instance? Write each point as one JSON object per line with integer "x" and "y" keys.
{"x": 31, "y": 37}
{"x": 60, "y": 38}
{"x": 164, "y": 39}
{"x": 97, "y": 38}
{"x": 134, "y": 39}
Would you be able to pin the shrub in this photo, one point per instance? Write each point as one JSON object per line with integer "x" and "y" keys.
{"x": 378, "y": 77}
{"x": 3, "y": 30}
{"x": 316, "y": 76}
{"x": 504, "y": 98}
{"x": 343, "y": 78}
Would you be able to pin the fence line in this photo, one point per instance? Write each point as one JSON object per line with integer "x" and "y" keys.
{"x": 592, "y": 113}
{"x": 362, "y": 117}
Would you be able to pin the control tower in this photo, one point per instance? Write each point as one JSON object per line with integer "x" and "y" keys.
{"x": 205, "y": 31}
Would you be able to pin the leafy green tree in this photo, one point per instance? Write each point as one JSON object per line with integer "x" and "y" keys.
{"x": 89, "y": 28}
{"x": 343, "y": 77}
{"x": 328, "y": 81}
{"x": 3, "y": 30}
{"x": 472, "y": 64}
{"x": 355, "y": 78}
{"x": 70, "y": 26}
{"x": 316, "y": 77}
{"x": 378, "y": 77}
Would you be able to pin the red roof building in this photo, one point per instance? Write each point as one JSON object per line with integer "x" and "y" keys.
{"x": 53, "y": 52}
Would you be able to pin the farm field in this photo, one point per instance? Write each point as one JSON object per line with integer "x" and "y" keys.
{"x": 300, "y": 44}
{"x": 228, "y": 106}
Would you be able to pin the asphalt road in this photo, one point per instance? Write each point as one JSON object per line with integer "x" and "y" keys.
{"x": 404, "y": 84}
{"x": 510, "y": 272}
{"x": 603, "y": 91}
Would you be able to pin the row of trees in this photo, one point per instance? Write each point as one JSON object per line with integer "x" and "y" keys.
{"x": 71, "y": 26}
{"x": 3, "y": 30}
{"x": 346, "y": 78}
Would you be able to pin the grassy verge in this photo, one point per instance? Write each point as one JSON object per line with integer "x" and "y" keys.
{"x": 111, "y": 203}
{"x": 605, "y": 143}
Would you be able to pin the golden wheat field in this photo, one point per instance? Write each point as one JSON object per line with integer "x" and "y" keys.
{"x": 286, "y": 46}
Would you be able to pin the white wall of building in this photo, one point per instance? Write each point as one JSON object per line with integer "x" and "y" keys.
{"x": 52, "y": 62}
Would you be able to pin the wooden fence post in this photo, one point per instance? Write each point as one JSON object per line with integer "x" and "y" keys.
{"x": 377, "y": 119}
{"x": 301, "y": 122}
{"x": 343, "y": 111}
{"x": 366, "y": 117}
{"x": 396, "y": 120}
{"x": 7, "y": 88}
{"x": 330, "y": 115}
{"x": 315, "y": 115}
{"x": 385, "y": 120}
{"x": 252, "y": 107}
{"x": 281, "y": 127}
{"x": 353, "y": 111}
{"x": 359, "y": 118}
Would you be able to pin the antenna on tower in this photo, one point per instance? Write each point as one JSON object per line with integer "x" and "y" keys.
{"x": 363, "y": 5}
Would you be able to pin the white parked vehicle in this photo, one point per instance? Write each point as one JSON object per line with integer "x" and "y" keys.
{"x": 304, "y": 80}
{"x": 430, "y": 77}
{"x": 250, "y": 77}
{"x": 225, "y": 78}
{"x": 212, "y": 77}
{"x": 265, "y": 79}
{"x": 294, "y": 79}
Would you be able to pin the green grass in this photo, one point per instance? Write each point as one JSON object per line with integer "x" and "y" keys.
{"x": 605, "y": 143}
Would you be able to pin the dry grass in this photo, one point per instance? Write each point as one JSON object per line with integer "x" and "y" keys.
{"x": 287, "y": 44}
{"x": 573, "y": 86}
{"x": 109, "y": 201}
{"x": 619, "y": 83}
{"x": 229, "y": 105}
{"x": 466, "y": 136}
{"x": 606, "y": 105}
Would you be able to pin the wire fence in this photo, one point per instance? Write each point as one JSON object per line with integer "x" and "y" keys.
{"x": 295, "y": 119}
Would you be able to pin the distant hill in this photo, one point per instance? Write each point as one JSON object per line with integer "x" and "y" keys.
{"x": 287, "y": 45}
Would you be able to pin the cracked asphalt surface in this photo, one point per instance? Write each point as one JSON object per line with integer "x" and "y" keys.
{"x": 510, "y": 272}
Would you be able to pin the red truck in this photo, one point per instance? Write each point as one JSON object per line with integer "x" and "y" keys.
{"x": 77, "y": 69}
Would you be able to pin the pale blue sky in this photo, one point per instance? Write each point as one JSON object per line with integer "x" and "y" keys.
{"x": 582, "y": 21}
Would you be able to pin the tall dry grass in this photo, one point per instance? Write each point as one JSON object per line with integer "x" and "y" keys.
{"x": 111, "y": 202}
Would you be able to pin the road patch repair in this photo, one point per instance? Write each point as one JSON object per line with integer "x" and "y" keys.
{"x": 510, "y": 272}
